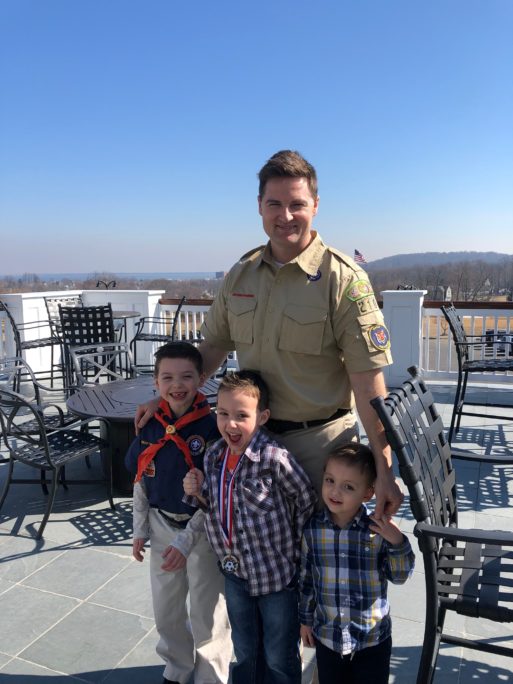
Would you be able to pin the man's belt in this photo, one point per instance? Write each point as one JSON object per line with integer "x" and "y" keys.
{"x": 281, "y": 426}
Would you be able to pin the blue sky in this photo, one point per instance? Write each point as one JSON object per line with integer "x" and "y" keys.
{"x": 131, "y": 132}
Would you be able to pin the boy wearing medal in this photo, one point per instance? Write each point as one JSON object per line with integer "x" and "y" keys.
{"x": 181, "y": 560}
{"x": 257, "y": 499}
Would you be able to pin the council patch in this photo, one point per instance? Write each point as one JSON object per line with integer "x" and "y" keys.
{"x": 379, "y": 337}
{"x": 196, "y": 444}
{"x": 358, "y": 290}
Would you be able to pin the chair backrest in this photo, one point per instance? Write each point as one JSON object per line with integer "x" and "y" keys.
{"x": 15, "y": 412}
{"x": 52, "y": 307}
{"x": 415, "y": 431}
{"x": 14, "y": 327}
{"x": 101, "y": 363}
{"x": 458, "y": 332}
{"x": 86, "y": 325}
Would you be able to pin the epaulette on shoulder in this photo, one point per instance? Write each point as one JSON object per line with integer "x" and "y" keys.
{"x": 344, "y": 258}
{"x": 252, "y": 252}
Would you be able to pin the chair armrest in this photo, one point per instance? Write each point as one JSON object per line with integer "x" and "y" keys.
{"x": 499, "y": 537}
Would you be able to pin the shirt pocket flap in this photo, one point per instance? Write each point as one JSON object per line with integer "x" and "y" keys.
{"x": 241, "y": 305}
{"x": 305, "y": 315}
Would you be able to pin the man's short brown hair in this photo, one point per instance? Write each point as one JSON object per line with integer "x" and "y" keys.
{"x": 288, "y": 164}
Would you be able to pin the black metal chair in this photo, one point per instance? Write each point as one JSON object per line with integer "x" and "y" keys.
{"x": 34, "y": 335}
{"x": 467, "y": 364}
{"x": 52, "y": 307}
{"x": 102, "y": 363}
{"x": 155, "y": 329}
{"x": 87, "y": 326}
{"x": 468, "y": 571}
{"x": 45, "y": 451}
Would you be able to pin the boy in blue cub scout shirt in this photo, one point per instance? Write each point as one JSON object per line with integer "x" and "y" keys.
{"x": 258, "y": 499}
{"x": 173, "y": 442}
{"x": 347, "y": 558}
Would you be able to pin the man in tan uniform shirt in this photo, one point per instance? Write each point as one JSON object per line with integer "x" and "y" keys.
{"x": 305, "y": 316}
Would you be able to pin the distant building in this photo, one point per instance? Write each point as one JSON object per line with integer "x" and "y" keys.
{"x": 220, "y": 274}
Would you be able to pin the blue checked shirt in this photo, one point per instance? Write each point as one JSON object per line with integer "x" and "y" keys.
{"x": 272, "y": 500}
{"x": 343, "y": 581}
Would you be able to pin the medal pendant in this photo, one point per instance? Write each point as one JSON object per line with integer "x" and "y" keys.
{"x": 230, "y": 563}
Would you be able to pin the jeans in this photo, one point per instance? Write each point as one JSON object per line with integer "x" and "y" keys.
{"x": 265, "y": 634}
{"x": 371, "y": 664}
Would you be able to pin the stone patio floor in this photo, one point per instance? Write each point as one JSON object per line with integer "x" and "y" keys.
{"x": 76, "y": 606}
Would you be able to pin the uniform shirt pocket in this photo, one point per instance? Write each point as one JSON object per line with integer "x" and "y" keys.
{"x": 257, "y": 493}
{"x": 241, "y": 313}
{"x": 302, "y": 329}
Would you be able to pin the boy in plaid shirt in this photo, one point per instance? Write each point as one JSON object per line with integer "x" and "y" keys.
{"x": 347, "y": 558}
{"x": 257, "y": 499}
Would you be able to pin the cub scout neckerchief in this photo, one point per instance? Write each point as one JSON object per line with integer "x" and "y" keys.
{"x": 199, "y": 409}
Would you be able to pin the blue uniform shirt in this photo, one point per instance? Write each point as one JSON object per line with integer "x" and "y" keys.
{"x": 165, "y": 488}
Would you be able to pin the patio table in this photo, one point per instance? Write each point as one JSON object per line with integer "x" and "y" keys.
{"x": 117, "y": 403}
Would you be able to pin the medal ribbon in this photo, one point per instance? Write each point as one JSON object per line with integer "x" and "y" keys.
{"x": 225, "y": 498}
{"x": 200, "y": 408}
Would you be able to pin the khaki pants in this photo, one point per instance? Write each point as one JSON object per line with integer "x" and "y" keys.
{"x": 207, "y": 651}
{"x": 312, "y": 446}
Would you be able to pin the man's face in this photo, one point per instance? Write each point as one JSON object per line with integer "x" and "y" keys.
{"x": 287, "y": 209}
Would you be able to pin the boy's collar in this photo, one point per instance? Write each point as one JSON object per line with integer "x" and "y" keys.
{"x": 251, "y": 452}
{"x": 357, "y": 521}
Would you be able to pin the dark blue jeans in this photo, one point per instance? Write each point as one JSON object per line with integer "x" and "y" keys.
{"x": 368, "y": 665}
{"x": 265, "y": 634}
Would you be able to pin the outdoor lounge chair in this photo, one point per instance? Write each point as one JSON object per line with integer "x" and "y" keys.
{"x": 46, "y": 451}
{"x": 469, "y": 571}
{"x": 466, "y": 365}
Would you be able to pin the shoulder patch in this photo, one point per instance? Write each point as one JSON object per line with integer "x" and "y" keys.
{"x": 358, "y": 290}
{"x": 379, "y": 337}
{"x": 196, "y": 444}
{"x": 252, "y": 252}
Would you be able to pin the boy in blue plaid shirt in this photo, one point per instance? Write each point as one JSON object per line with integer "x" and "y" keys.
{"x": 258, "y": 499}
{"x": 347, "y": 558}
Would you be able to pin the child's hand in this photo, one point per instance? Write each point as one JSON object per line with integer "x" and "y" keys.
{"x": 193, "y": 482}
{"x": 138, "y": 549}
{"x": 386, "y": 528}
{"x": 307, "y": 636}
{"x": 173, "y": 559}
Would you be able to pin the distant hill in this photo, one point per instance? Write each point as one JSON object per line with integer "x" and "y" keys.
{"x": 435, "y": 259}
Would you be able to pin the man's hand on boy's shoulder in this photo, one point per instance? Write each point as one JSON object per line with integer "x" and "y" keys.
{"x": 173, "y": 559}
{"x": 386, "y": 528}
{"x": 144, "y": 413}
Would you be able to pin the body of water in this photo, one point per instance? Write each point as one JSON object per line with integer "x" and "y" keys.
{"x": 58, "y": 277}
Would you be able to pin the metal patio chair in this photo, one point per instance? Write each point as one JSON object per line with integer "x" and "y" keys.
{"x": 82, "y": 327}
{"x": 468, "y": 571}
{"x": 46, "y": 451}
{"x": 34, "y": 335}
{"x": 102, "y": 363}
{"x": 468, "y": 365}
{"x": 155, "y": 329}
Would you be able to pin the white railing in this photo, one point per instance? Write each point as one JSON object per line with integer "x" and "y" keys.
{"x": 439, "y": 360}
{"x": 419, "y": 333}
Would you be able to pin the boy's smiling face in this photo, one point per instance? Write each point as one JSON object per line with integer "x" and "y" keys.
{"x": 238, "y": 418}
{"x": 344, "y": 489}
{"x": 177, "y": 382}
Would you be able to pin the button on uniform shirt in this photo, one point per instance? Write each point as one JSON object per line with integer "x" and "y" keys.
{"x": 343, "y": 581}
{"x": 304, "y": 326}
{"x": 272, "y": 500}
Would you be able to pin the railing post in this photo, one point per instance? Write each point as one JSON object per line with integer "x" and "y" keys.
{"x": 402, "y": 310}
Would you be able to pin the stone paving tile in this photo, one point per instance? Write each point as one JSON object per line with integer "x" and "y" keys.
{"x": 4, "y": 658}
{"x": 78, "y": 572}
{"x": 5, "y": 585}
{"x": 21, "y": 556}
{"x": 96, "y": 640}
{"x": 129, "y": 590}
{"x": 27, "y": 613}
{"x": 21, "y": 671}
{"x": 142, "y": 664}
